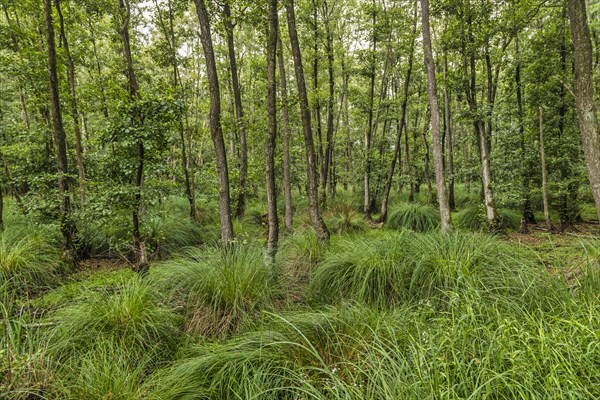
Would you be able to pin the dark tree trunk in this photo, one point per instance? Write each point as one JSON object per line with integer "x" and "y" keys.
{"x": 401, "y": 124}
{"x": 239, "y": 112}
{"x": 527, "y": 214}
{"x": 328, "y": 157}
{"x": 74, "y": 111}
{"x": 215, "y": 123}
{"x": 134, "y": 95}
{"x": 68, "y": 229}
{"x": 544, "y": 174}
{"x": 178, "y": 88}
{"x": 272, "y": 128}
{"x": 369, "y": 130}
{"x": 449, "y": 137}
{"x": 435, "y": 122}
{"x": 285, "y": 123}
{"x": 584, "y": 95}
{"x": 311, "y": 168}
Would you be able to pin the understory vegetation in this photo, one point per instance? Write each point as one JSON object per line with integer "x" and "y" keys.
{"x": 382, "y": 313}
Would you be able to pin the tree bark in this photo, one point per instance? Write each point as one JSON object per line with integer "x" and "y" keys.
{"x": 215, "y": 123}
{"x": 239, "y": 112}
{"x": 449, "y": 137}
{"x": 369, "y": 130}
{"x": 401, "y": 124}
{"x": 544, "y": 174}
{"x": 587, "y": 116}
{"x": 68, "y": 229}
{"x": 134, "y": 95}
{"x": 285, "y": 124}
{"x": 446, "y": 221}
{"x": 328, "y": 157}
{"x": 74, "y": 111}
{"x": 311, "y": 170}
{"x": 272, "y": 129}
{"x": 527, "y": 214}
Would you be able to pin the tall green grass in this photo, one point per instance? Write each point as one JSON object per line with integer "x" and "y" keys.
{"x": 28, "y": 261}
{"x": 415, "y": 216}
{"x": 388, "y": 269}
{"x": 474, "y": 219}
{"x": 219, "y": 287}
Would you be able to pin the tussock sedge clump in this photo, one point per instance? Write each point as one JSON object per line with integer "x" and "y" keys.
{"x": 414, "y": 216}
{"x": 343, "y": 219}
{"x": 28, "y": 261}
{"x": 473, "y": 218}
{"x": 219, "y": 287}
{"x": 409, "y": 353}
{"x": 388, "y": 269}
{"x": 131, "y": 318}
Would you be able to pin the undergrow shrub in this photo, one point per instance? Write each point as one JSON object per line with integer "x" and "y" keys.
{"x": 369, "y": 268}
{"x": 474, "y": 219}
{"x": 130, "y": 316}
{"x": 28, "y": 261}
{"x": 220, "y": 287}
{"x": 415, "y": 216}
{"x": 168, "y": 233}
{"x": 343, "y": 219}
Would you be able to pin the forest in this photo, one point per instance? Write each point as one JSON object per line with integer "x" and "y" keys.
{"x": 299, "y": 199}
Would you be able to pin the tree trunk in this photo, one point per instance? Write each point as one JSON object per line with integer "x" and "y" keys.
{"x": 584, "y": 95}
{"x": 401, "y": 124}
{"x": 527, "y": 214}
{"x": 272, "y": 129}
{"x": 435, "y": 122}
{"x": 67, "y": 227}
{"x": 328, "y": 157}
{"x": 369, "y": 130}
{"x": 74, "y": 112}
{"x": 285, "y": 122}
{"x": 239, "y": 112}
{"x": 449, "y": 138}
{"x": 544, "y": 174}
{"x": 134, "y": 95}
{"x": 311, "y": 169}
{"x": 215, "y": 123}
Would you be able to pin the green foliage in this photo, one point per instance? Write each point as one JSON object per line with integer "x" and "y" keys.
{"x": 219, "y": 287}
{"x": 414, "y": 216}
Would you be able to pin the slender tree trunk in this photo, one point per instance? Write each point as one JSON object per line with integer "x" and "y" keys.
{"x": 426, "y": 124}
{"x": 584, "y": 95}
{"x": 401, "y": 124}
{"x": 215, "y": 123}
{"x": 449, "y": 137}
{"x": 544, "y": 174}
{"x": 527, "y": 214}
{"x": 315, "y": 71}
{"x": 178, "y": 88}
{"x": 311, "y": 169}
{"x": 272, "y": 128}
{"x": 98, "y": 69}
{"x": 369, "y": 130}
{"x": 67, "y": 227}
{"x": 74, "y": 112}
{"x": 134, "y": 95}
{"x": 328, "y": 158}
{"x": 239, "y": 112}
{"x": 435, "y": 122}
{"x": 285, "y": 124}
